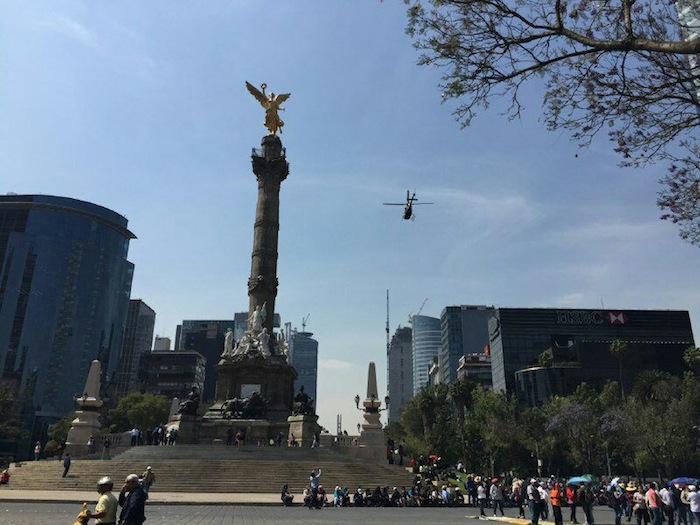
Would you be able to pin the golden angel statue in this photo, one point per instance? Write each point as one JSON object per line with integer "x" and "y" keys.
{"x": 271, "y": 103}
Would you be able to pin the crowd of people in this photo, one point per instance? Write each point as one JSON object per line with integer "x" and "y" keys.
{"x": 675, "y": 503}
{"x": 158, "y": 435}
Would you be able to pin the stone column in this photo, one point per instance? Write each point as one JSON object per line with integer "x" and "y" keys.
{"x": 271, "y": 168}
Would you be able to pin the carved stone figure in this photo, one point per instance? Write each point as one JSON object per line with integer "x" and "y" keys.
{"x": 190, "y": 405}
{"x": 303, "y": 404}
{"x": 253, "y": 407}
{"x": 264, "y": 345}
{"x": 271, "y": 103}
{"x": 228, "y": 344}
{"x": 282, "y": 346}
{"x": 255, "y": 320}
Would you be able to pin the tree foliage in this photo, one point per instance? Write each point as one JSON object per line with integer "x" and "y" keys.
{"x": 10, "y": 425}
{"x": 140, "y": 410}
{"x": 653, "y": 430}
{"x": 617, "y": 68}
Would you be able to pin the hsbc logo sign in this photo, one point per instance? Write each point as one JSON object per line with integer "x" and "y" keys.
{"x": 616, "y": 317}
{"x": 594, "y": 317}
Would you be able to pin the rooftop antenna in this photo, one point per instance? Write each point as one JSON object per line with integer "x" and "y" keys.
{"x": 304, "y": 321}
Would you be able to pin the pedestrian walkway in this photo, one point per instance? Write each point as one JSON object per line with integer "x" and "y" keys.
{"x": 170, "y": 498}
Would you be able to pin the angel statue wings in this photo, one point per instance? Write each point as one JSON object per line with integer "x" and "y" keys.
{"x": 271, "y": 103}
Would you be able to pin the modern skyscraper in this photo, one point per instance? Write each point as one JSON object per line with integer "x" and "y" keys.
{"x": 465, "y": 330}
{"x": 173, "y": 374}
{"x": 426, "y": 345}
{"x": 303, "y": 356}
{"x": 656, "y": 340}
{"x": 138, "y": 339}
{"x": 206, "y": 338}
{"x": 64, "y": 291}
{"x": 399, "y": 365}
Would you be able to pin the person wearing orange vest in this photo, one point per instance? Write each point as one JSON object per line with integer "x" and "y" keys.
{"x": 556, "y": 498}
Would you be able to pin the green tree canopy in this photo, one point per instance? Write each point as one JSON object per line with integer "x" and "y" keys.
{"x": 140, "y": 410}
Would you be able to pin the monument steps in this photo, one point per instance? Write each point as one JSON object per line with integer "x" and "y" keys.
{"x": 219, "y": 469}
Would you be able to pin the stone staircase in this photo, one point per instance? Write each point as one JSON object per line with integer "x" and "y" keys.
{"x": 212, "y": 469}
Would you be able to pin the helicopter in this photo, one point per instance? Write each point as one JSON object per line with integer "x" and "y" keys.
{"x": 408, "y": 205}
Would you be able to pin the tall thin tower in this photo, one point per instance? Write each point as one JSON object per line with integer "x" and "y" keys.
{"x": 388, "y": 341}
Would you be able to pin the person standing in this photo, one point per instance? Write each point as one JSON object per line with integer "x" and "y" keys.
{"x": 314, "y": 482}
{"x": 694, "y": 502}
{"x": 106, "y": 508}
{"x": 587, "y": 504}
{"x": 653, "y": 501}
{"x": 556, "y": 498}
{"x": 66, "y": 465}
{"x": 106, "y": 446}
{"x": 533, "y": 501}
{"x": 132, "y": 500}
{"x": 572, "y": 500}
{"x": 496, "y": 493}
{"x": 148, "y": 478}
{"x": 481, "y": 497}
{"x": 37, "y": 451}
{"x": 134, "y": 436}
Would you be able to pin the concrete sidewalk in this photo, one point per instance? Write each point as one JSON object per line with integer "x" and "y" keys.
{"x": 170, "y": 498}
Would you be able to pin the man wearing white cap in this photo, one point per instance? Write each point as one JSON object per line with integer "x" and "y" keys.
{"x": 148, "y": 478}
{"x": 694, "y": 500}
{"x": 533, "y": 501}
{"x": 106, "y": 508}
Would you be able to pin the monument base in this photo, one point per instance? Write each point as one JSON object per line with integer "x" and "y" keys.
{"x": 304, "y": 428}
{"x": 241, "y": 377}
{"x": 256, "y": 431}
{"x": 187, "y": 428}
{"x": 85, "y": 424}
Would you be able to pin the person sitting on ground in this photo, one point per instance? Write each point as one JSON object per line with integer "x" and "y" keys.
{"x": 358, "y": 499}
{"x": 458, "y": 497}
{"x": 308, "y": 498}
{"x": 5, "y": 477}
{"x": 337, "y": 496}
{"x": 321, "y": 497}
{"x": 286, "y": 497}
{"x": 395, "y": 498}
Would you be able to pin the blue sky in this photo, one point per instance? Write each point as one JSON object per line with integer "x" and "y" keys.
{"x": 141, "y": 107}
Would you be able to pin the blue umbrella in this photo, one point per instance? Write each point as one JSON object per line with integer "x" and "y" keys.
{"x": 685, "y": 481}
{"x": 579, "y": 479}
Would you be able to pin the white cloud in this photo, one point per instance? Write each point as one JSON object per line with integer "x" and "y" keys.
{"x": 70, "y": 28}
{"x": 333, "y": 364}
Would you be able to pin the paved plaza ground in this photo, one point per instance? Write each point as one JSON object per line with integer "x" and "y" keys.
{"x": 34, "y": 513}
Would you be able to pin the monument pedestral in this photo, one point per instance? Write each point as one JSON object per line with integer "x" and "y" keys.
{"x": 86, "y": 422}
{"x": 304, "y": 428}
{"x": 270, "y": 377}
{"x": 187, "y": 428}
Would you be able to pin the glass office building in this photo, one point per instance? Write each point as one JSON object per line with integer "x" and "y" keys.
{"x": 64, "y": 292}
{"x": 399, "y": 368}
{"x": 465, "y": 330}
{"x": 303, "y": 356}
{"x": 426, "y": 345}
{"x": 656, "y": 340}
{"x": 138, "y": 340}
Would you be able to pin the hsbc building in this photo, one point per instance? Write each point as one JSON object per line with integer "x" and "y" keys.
{"x": 518, "y": 336}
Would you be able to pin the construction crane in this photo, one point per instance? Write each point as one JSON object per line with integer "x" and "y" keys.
{"x": 410, "y": 316}
{"x": 304, "y": 322}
